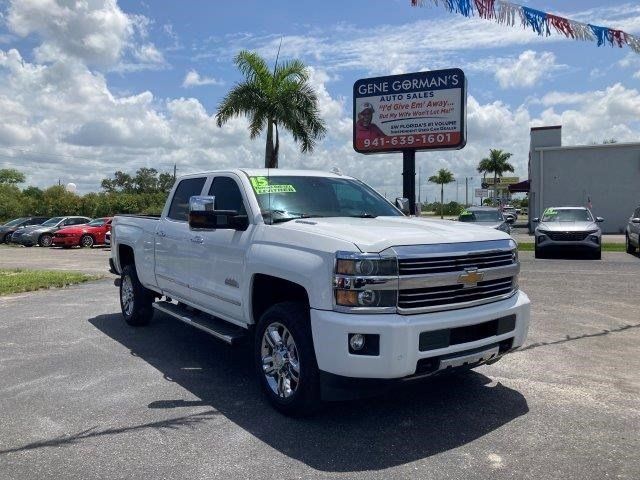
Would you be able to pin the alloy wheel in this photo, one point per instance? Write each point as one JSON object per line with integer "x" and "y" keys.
{"x": 280, "y": 360}
{"x": 126, "y": 295}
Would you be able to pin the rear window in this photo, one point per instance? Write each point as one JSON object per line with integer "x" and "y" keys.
{"x": 187, "y": 188}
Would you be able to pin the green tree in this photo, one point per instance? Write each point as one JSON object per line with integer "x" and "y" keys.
{"x": 165, "y": 182}
{"x": 122, "y": 182}
{"x": 146, "y": 180}
{"x": 57, "y": 200}
{"x": 443, "y": 176}
{"x": 272, "y": 99}
{"x": 11, "y": 176}
{"x": 497, "y": 164}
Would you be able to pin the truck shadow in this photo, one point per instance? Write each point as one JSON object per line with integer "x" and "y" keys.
{"x": 393, "y": 429}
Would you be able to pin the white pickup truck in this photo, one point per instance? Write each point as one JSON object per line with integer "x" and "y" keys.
{"x": 339, "y": 292}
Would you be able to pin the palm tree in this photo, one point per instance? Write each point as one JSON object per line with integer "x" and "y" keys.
{"x": 497, "y": 164}
{"x": 443, "y": 176}
{"x": 282, "y": 97}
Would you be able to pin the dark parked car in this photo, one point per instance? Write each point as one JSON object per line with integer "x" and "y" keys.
{"x": 632, "y": 232}
{"x": 8, "y": 228}
{"x": 43, "y": 234}
{"x": 487, "y": 217}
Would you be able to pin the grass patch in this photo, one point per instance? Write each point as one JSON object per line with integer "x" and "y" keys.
{"x": 19, "y": 280}
{"x": 606, "y": 247}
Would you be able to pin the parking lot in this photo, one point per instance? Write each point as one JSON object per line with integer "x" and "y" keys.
{"x": 83, "y": 395}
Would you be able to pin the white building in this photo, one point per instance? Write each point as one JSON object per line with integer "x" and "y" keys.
{"x": 607, "y": 177}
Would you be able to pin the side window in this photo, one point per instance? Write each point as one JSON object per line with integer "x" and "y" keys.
{"x": 227, "y": 193}
{"x": 636, "y": 213}
{"x": 179, "y": 209}
{"x": 75, "y": 221}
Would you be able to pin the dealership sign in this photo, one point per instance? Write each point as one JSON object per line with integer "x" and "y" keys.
{"x": 414, "y": 111}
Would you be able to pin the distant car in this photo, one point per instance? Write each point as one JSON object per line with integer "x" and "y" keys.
{"x": 107, "y": 239}
{"x": 509, "y": 212}
{"x": 43, "y": 234}
{"x": 93, "y": 233}
{"x": 8, "y": 228}
{"x": 487, "y": 217}
{"x": 572, "y": 227}
{"x": 632, "y": 231}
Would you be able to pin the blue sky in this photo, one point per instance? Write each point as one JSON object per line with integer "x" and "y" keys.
{"x": 87, "y": 88}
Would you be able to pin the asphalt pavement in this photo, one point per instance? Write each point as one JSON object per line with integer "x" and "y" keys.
{"x": 84, "y": 396}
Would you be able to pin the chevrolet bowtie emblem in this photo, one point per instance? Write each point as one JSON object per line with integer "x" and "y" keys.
{"x": 470, "y": 277}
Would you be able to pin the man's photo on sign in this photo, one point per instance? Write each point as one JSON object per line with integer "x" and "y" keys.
{"x": 365, "y": 128}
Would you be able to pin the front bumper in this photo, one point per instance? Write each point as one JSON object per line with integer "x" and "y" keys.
{"x": 399, "y": 348}
{"x": 24, "y": 239}
{"x": 544, "y": 242}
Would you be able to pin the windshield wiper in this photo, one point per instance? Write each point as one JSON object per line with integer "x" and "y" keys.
{"x": 295, "y": 215}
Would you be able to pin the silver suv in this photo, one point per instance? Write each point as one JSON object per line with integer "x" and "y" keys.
{"x": 572, "y": 227}
{"x": 632, "y": 232}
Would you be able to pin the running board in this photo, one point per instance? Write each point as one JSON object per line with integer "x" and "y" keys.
{"x": 203, "y": 321}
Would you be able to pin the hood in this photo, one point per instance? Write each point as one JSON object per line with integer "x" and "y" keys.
{"x": 377, "y": 234}
{"x": 491, "y": 224}
{"x": 36, "y": 228}
{"x": 568, "y": 226}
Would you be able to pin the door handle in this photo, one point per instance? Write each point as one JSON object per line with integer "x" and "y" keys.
{"x": 197, "y": 239}
{"x": 160, "y": 233}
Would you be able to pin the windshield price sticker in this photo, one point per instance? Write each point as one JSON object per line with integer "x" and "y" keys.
{"x": 261, "y": 186}
{"x": 413, "y": 111}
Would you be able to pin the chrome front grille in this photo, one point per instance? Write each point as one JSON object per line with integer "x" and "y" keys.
{"x": 452, "y": 276}
{"x": 452, "y": 294}
{"x": 421, "y": 266}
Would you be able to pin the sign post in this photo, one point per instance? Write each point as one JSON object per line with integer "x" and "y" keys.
{"x": 410, "y": 112}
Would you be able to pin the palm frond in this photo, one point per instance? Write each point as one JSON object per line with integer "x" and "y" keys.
{"x": 244, "y": 99}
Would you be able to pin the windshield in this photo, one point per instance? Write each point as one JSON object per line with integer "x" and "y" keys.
{"x": 15, "y": 222}
{"x": 52, "y": 221}
{"x": 480, "y": 216}
{"x": 566, "y": 215}
{"x": 98, "y": 222}
{"x": 283, "y": 198}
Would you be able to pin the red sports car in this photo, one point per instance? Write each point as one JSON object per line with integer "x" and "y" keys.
{"x": 83, "y": 235}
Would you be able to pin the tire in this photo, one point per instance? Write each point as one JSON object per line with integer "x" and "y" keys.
{"x": 629, "y": 245}
{"x": 597, "y": 255}
{"x": 294, "y": 346}
{"x": 538, "y": 252}
{"x": 45, "y": 240}
{"x": 86, "y": 241}
{"x": 135, "y": 300}
{"x": 7, "y": 238}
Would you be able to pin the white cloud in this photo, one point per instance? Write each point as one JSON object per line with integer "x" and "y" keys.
{"x": 96, "y": 32}
{"x": 527, "y": 70}
{"x": 194, "y": 79}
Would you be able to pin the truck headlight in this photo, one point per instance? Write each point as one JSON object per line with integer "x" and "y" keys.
{"x": 365, "y": 282}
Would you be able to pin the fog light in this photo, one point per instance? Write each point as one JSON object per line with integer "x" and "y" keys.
{"x": 357, "y": 341}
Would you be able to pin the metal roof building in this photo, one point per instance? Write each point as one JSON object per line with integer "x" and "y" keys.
{"x": 605, "y": 177}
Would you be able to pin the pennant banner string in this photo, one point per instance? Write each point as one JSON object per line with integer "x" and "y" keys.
{"x": 510, "y": 14}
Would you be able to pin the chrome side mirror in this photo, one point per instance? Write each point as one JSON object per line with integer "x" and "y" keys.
{"x": 599, "y": 219}
{"x": 403, "y": 205}
{"x": 204, "y": 216}
{"x": 635, "y": 220}
{"x": 535, "y": 220}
